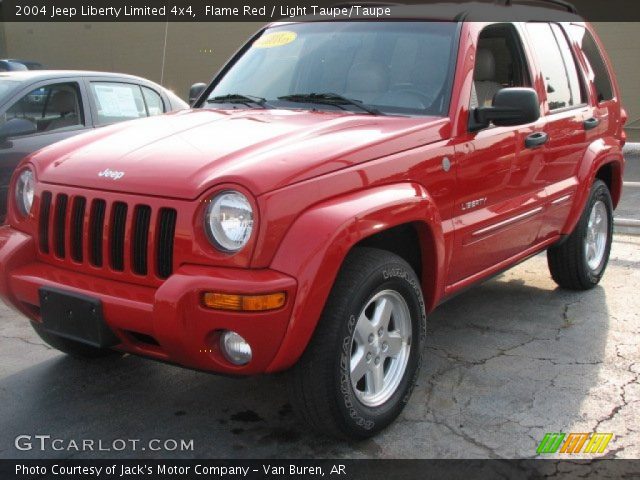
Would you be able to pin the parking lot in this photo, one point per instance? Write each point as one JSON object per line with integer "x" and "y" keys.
{"x": 505, "y": 363}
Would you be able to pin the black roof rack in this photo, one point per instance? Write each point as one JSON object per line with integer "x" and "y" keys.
{"x": 459, "y": 11}
{"x": 569, "y": 7}
{"x": 367, "y": 4}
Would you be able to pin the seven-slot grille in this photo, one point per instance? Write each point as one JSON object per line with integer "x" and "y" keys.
{"x": 114, "y": 235}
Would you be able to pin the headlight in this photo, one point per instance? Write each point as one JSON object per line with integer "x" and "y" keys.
{"x": 229, "y": 220}
{"x": 25, "y": 187}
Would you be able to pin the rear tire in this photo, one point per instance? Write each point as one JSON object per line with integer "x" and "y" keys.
{"x": 71, "y": 347}
{"x": 373, "y": 327}
{"x": 580, "y": 261}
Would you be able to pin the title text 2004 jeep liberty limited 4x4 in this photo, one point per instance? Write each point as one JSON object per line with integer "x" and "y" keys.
{"x": 338, "y": 182}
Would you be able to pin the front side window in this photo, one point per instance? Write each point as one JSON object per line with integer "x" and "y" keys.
{"x": 393, "y": 67}
{"x": 561, "y": 78}
{"x": 500, "y": 63}
{"x": 49, "y": 108}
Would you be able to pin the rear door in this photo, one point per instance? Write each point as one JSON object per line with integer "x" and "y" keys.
{"x": 571, "y": 123}
{"x": 113, "y": 101}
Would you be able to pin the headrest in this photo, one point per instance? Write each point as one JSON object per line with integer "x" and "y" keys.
{"x": 485, "y": 66}
{"x": 63, "y": 101}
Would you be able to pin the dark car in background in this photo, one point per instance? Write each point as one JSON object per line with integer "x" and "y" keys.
{"x": 38, "y": 108}
{"x": 14, "y": 65}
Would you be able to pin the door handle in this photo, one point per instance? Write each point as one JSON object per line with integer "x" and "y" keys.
{"x": 536, "y": 140}
{"x": 591, "y": 123}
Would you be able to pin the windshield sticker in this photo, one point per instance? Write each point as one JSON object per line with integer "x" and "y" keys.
{"x": 275, "y": 39}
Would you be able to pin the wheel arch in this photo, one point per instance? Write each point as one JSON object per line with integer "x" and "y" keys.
{"x": 603, "y": 160}
{"x": 315, "y": 247}
{"x": 414, "y": 242}
{"x": 610, "y": 173}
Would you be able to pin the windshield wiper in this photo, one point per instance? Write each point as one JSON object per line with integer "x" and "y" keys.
{"x": 329, "y": 99}
{"x": 247, "y": 100}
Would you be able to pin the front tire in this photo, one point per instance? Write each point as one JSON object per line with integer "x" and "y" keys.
{"x": 71, "y": 347}
{"x": 361, "y": 365}
{"x": 579, "y": 262}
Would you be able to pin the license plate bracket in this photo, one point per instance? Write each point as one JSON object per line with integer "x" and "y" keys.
{"x": 75, "y": 317}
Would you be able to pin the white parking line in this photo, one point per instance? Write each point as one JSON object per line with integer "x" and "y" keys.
{"x": 631, "y": 184}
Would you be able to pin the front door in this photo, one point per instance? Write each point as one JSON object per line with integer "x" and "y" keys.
{"x": 500, "y": 203}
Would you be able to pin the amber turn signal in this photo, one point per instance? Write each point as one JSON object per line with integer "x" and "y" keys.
{"x": 244, "y": 303}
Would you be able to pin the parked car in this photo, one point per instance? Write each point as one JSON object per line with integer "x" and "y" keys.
{"x": 12, "y": 64}
{"x": 42, "y": 107}
{"x": 335, "y": 184}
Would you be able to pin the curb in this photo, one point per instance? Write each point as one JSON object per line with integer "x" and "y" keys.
{"x": 627, "y": 226}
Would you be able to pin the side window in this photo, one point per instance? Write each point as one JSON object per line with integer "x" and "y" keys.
{"x": 500, "y": 63}
{"x": 561, "y": 79}
{"x": 117, "y": 102}
{"x": 49, "y": 108}
{"x": 576, "y": 84}
{"x": 153, "y": 101}
{"x": 601, "y": 79}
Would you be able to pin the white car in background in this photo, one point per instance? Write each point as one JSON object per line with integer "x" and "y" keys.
{"x": 41, "y": 107}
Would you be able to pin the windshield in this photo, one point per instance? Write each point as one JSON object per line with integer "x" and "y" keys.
{"x": 6, "y": 87}
{"x": 390, "y": 67}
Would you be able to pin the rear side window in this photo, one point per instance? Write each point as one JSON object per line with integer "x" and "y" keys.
{"x": 561, "y": 78}
{"x": 117, "y": 102}
{"x": 602, "y": 81}
{"x": 153, "y": 101}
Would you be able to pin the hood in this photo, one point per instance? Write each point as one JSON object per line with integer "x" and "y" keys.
{"x": 182, "y": 154}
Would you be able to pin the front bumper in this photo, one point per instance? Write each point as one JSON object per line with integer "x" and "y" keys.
{"x": 167, "y": 323}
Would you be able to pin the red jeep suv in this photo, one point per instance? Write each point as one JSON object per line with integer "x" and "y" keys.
{"x": 335, "y": 183}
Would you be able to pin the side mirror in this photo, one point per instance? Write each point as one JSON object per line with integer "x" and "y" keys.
{"x": 15, "y": 127}
{"x": 195, "y": 91}
{"x": 511, "y": 106}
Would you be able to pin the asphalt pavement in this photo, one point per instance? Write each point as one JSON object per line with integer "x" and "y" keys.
{"x": 505, "y": 363}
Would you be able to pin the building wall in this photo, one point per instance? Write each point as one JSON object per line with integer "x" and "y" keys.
{"x": 622, "y": 43}
{"x": 195, "y": 51}
{"x": 3, "y": 47}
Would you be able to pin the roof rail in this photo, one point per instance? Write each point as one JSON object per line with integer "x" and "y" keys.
{"x": 367, "y": 4}
{"x": 569, "y": 7}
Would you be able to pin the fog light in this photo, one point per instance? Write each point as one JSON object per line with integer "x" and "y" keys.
{"x": 235, "y": 348}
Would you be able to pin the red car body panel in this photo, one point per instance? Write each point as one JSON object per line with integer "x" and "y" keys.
{"x": 229, "y": 147}
{"x": 319, "y": 182}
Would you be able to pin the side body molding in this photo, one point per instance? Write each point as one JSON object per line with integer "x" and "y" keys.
{"x": 316, "y": 245}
